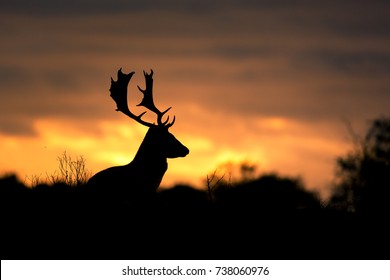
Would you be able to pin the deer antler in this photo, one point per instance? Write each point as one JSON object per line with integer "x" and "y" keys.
{"x": 148, "y": 102}
{"x": 118, "y": 91}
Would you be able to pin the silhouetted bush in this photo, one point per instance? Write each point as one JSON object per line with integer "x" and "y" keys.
{"x": 183, "y": 197}
{"x": 268, "y": 192}
{"x": 11, "y": 183}
{"x": 364, "y": 173}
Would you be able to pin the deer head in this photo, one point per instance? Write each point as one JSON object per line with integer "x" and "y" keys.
{"x": 118, "y": 91}
{"x": 159, "y": 140}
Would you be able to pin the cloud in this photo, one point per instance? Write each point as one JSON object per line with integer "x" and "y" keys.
{"x": 360, "y": 63}
{"x": 11, "y": 76}
{"x": 44, "y": 7}
{"x": 16, "y": 126}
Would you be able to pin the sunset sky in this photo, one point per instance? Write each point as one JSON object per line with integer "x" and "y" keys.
{"x": 269, "y": 82}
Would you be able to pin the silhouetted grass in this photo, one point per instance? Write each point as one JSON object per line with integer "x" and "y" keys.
{"x": 70, "y": 172}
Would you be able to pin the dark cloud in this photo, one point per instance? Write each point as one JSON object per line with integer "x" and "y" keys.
{"x": 19, "y": 118}
{"x": 346, "y": 62}
{"x": 119, "y": 6}
{"x": 298, "y": 59}
{"x": 13, "y": 76}
{"x": 43, "y": 7}
{"x": 16, "y": 126}
{"x": 243, "y": 51}
{"x": 346, "y": 17}
{"x": 30, "y": 94}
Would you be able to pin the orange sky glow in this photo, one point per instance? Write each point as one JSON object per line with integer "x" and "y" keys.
{"x": 270, "y": 84}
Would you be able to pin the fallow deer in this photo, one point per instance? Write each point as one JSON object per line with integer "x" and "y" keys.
{"x": 142, "y": 176}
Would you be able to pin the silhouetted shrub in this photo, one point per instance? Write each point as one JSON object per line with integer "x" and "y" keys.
{"x": 364, "y": 173}
{"x": 268, "y": 192}
{"x": 10, "y": 182}
{"x": 183, "y": 196}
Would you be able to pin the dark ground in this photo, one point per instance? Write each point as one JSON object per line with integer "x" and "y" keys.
{"x": 251, "y": 221}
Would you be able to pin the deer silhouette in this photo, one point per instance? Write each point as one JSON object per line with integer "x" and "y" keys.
{"x": 142, "y": 176}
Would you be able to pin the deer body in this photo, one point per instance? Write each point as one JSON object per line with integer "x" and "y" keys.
{"x": 142, "y": 176}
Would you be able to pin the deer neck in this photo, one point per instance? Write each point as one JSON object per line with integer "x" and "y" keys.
{"x": 150, "y": 158}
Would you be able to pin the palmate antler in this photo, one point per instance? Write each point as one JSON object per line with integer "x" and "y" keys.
{"x": 118, "y": 91}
